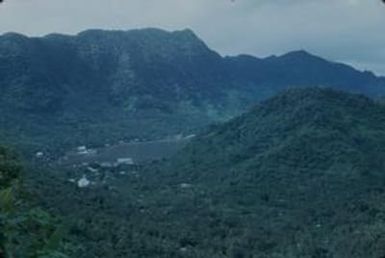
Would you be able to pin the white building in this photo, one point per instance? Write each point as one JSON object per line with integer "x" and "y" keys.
{"x": 39, "y": 154}
{"x": 82, "y": 150}
{"x": 83, "y": 182}
{"x": 125, "y": 161}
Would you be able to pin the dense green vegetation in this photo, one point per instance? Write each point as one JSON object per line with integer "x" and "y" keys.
{"x": 25, "y": 231}
{"x": 100, "y": 87}
{"x": 300, "y": 175}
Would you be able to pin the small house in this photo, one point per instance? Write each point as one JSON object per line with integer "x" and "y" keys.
{"x": 125, "y": 161}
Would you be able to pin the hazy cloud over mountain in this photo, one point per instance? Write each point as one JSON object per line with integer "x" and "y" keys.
{"x": 351, "y": 31}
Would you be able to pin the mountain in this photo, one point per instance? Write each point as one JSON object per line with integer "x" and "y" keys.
{"x": 302, "y": 69}
{"x": 100, "y": 86}
{"x": 300, "y": 175}
{"x": 302, "y": 129}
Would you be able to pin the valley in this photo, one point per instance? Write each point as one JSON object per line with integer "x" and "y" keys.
{"x": 304, "y": 181}
{"x": 134, "y": 152}
{"x": 147, "y": 143}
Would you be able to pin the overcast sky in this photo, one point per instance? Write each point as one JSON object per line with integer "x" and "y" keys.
{"x": 351, "y": 31}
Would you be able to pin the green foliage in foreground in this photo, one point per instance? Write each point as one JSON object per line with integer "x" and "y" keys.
{"x": 25, "y": 232}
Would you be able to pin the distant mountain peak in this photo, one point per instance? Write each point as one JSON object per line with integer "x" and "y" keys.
{"x": 300, "y": 52}
{"x": 301, "y": 55}
{"x": 158, "y": 38}
{"x": 13, "y": 35}
{"x": 188, "y": 33}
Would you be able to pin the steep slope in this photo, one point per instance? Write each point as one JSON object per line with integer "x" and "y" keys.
{"x": 100, "y": 86}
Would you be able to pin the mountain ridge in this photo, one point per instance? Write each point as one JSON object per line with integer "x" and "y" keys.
{"x": 292, "y": 116}
{"x": 129, "y": 82}
{"x": 307, "y": 163}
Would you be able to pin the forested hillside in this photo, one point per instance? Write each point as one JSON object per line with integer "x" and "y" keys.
{"x": 26, "y": 230}
{"x": 300, "y": 175}
{"x": 100, "y": 87}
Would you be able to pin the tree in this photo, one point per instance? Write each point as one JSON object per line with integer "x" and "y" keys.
{"x": 24, "y": 231}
